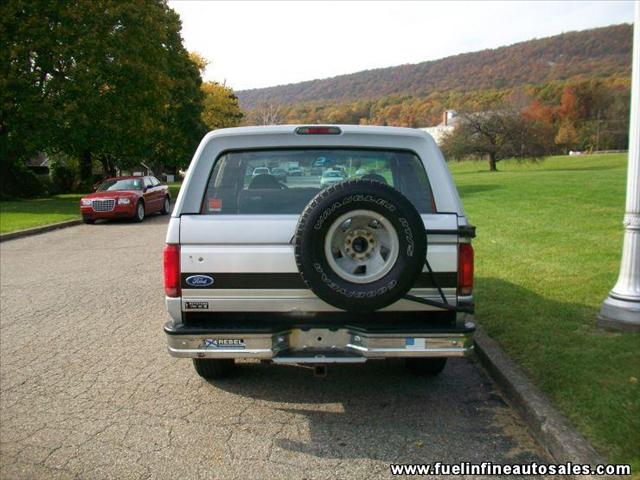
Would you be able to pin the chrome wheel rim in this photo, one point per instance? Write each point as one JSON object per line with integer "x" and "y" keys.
{"x": 361, "y": 246}
{"x": 140, "y": 211}
{"x": 166, "y": 204}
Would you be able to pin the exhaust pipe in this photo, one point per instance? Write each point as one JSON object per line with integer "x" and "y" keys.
{"x": 319, "y": 371}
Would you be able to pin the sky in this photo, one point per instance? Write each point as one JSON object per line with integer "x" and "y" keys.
{"x": 260, "y": 44}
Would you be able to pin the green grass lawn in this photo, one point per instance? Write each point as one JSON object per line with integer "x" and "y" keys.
{"x": 21, "y": 214}
{"x": 547, "y": 253}
{"x": 174, "y": 188}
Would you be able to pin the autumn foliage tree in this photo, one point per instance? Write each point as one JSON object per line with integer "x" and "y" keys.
{"x": 495, "y": 136}
{"x": 220, "y": 106}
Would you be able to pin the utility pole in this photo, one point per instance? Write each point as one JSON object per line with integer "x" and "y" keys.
{"x": 621, "y": 309}
{"x": 598, "y": 132}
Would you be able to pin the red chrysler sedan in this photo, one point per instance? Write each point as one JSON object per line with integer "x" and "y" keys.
{"x": 126, "y": 197}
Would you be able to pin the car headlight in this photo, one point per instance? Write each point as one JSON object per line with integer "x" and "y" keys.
{"x": 124, "y": 201}
{"x": 86, "y": 202}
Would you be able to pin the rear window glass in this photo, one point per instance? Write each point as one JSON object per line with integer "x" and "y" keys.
{"x": 284, "y": 181}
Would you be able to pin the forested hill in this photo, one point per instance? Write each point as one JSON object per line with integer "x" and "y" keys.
{"x": 600, "y": 52}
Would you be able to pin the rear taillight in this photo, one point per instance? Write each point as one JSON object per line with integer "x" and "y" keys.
{"x": 465, "y": 269}
{"x": 172, "y": 270}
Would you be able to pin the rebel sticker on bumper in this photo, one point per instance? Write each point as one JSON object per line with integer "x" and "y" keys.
{"x": 224, "y": 343}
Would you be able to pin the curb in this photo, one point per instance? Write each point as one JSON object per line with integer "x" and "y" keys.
{"x": 551, "y": 430}
{"x": 37, "y": 230}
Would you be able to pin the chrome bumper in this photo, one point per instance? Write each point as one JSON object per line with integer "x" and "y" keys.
{"x": 319, "y": 345}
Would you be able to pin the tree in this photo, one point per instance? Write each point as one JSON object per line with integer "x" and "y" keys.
{"x": 539, "y": 112}
{"x": 199, "y": 61}
{"x": 181, "y": 127}
{"x": 269, "y": 114}
{"x": 568, "y": 109}
{"x": 496, "y": 135}
{"x": 27, "y": 114}
{"x": 112, "y": 86}
{"x": 567, "y": 136}
{"x": 221, "y": 108}
{"x": 220, "y": 105}
{"x": 97, "y": 79}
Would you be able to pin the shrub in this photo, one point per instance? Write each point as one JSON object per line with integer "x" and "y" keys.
{"x": 20, "y": 182}
{"x": 62, "y": 176}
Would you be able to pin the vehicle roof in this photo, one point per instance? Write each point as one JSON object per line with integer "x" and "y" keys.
{"x": 126, "y": 177}
{"x": 290, "y": 129}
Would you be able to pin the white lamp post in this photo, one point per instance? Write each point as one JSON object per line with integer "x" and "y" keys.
{"x": 621, "y": 309}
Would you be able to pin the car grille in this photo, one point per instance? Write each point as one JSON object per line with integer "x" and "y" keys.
{"x": 103, "y": 205}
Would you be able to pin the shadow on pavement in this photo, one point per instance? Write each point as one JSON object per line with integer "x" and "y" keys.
{"x": 377, "y": 411}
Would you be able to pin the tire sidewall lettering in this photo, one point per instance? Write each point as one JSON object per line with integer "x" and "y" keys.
{"x": 381, "y": 202}
{"x": 328, "y": 282}
{"x": 408, "y": 236}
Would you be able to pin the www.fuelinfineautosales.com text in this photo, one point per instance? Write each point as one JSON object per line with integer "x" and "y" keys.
{"x": 488, "y": 468}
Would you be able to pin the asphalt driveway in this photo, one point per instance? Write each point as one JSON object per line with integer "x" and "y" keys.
{"x": 87, "y": 389}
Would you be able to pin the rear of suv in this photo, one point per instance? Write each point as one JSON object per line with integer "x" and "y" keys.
{"x": 376, "y": 263}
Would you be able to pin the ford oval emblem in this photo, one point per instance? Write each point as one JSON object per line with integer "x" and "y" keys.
{"x": 199, "y": 281}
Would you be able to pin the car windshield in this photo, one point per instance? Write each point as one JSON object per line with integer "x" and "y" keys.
{"x": 121, "y": 184}
{"x": 233, "y": 190}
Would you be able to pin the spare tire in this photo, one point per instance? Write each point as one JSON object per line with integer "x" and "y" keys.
{"x": 360, "y": 245}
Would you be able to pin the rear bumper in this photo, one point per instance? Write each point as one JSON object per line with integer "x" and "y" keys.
{"x": 344, "y": 344}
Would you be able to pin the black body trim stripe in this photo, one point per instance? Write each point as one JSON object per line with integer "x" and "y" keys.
{"x": 294, "y": 281}
{"x": 467, "y": 231}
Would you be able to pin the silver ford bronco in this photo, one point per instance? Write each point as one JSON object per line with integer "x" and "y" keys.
{"x": 317, "y": 245}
